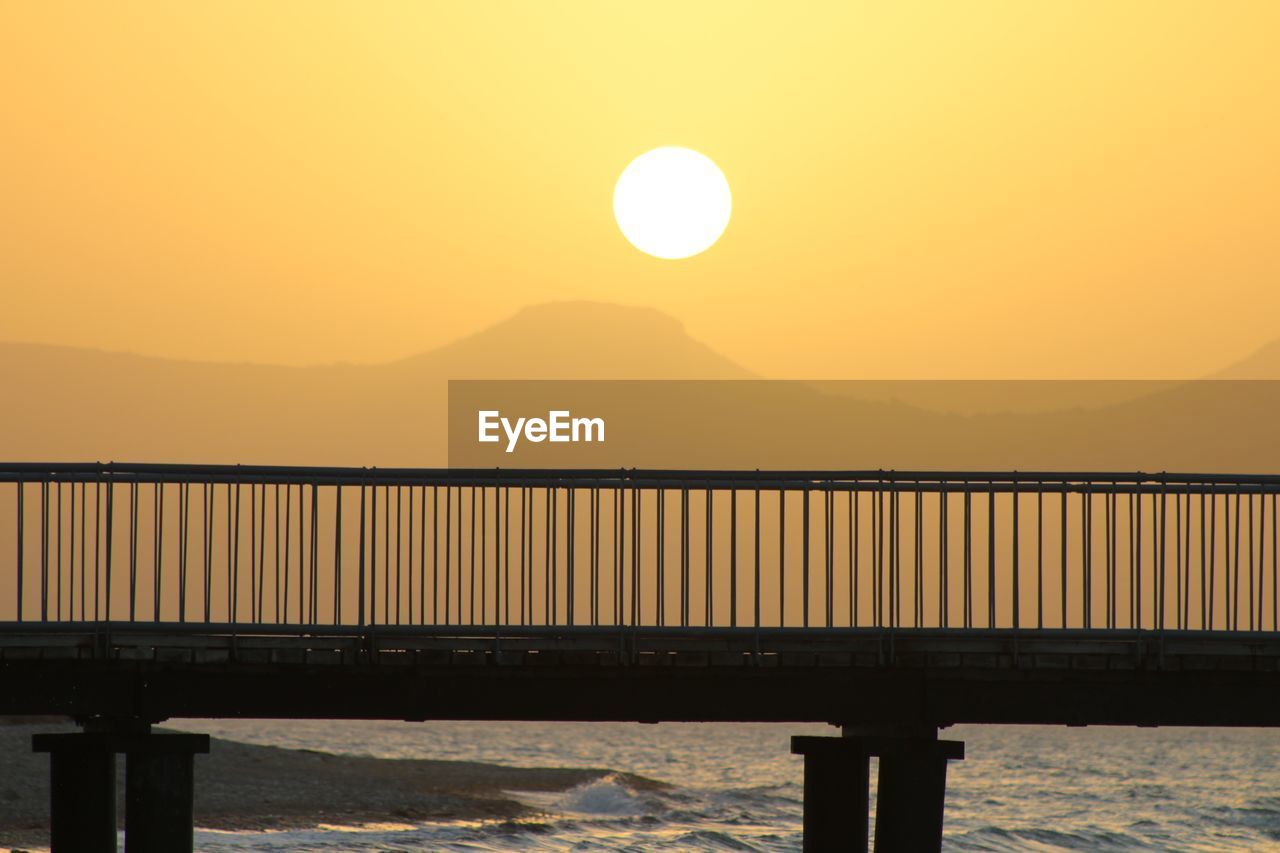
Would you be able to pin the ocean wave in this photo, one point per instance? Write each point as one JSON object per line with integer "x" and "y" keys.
{"x": 605, "y": 797}
{"x": 736, "y": 788}
{"x": 706, "y": 839}
{"x": 997, "y": 839}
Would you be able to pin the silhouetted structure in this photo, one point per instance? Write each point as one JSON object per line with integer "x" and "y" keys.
{"x": 890, "y": 603}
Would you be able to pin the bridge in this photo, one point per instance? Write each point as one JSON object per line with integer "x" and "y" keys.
{"x": 890, "y": 603}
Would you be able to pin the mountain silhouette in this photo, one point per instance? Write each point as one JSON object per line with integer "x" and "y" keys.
{"x": 1263, "y": 363}
{"x": 579, "y": 340}
{"x": 83, "y": 404}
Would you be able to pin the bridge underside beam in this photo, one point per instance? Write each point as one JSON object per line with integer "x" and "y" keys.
{"x": 481, "y": 689}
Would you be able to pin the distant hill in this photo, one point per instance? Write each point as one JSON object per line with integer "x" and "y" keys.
{"x": 578, "y": 340}
{"x": 66, "y": 403}
{"x": 69, "y": 404}
{"x": 1262, "y": 364}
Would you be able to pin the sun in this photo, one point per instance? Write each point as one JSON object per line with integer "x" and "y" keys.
{"x": 672, "y": 202}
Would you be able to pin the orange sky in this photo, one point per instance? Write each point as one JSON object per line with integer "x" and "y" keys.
{"x": 920, "y": 189}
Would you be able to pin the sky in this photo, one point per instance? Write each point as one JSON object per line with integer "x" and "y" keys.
{"x": 920, "y": 189}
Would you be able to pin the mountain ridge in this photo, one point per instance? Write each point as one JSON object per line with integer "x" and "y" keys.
{"x": 78, "y": 403}
{"x": 89, "y": 404}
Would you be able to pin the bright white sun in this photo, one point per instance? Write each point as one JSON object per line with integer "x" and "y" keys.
{"x": 672, "y": 202}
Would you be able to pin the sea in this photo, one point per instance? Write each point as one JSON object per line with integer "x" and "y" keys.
{"x": 736, "y": 787}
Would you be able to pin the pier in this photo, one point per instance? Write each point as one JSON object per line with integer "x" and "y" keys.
{"x": 890, "y": 604}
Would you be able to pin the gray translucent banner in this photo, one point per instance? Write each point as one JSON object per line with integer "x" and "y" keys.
{"x": 1224, "y": 426}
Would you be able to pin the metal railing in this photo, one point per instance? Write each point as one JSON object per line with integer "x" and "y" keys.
{"x": 726, "y": 549}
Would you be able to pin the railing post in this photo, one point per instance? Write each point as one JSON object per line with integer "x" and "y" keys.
{"x": 1017, "y": 622}
{"x": 21, "y": 527}
{"x": 804, "y": 586}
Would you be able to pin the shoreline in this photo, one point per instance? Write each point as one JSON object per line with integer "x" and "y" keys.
{"x": 247, "y": 787}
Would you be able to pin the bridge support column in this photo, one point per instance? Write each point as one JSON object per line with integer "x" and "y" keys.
{"x": 160, "y": 795}
{"x": 910, "y": 792}
{"x": 836, "y": 789}
{"x": 82, "y": 793}
{"x": 159, "y": 789}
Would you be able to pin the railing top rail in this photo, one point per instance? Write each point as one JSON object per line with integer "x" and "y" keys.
{"x": 33, "y": 472}
{"x": 508, "y": 632}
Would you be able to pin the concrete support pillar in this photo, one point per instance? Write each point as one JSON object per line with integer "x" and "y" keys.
{"x": 159, "y": 802}
{"x": 836, "y": 788}
{"x": 82, "y": 795}
{"x": 910, "y": 796}
{"x": 159, "y": 789}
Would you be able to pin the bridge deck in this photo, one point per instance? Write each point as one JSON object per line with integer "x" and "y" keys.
{"x": 847, "y": 676}
{"x": 192, "y": 590}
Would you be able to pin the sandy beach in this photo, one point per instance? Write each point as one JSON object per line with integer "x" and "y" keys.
{"x": 243, "y": 786}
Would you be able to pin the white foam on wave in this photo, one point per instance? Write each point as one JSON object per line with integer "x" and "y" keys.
{"x": 604, "y": 797}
